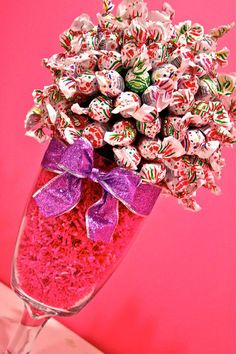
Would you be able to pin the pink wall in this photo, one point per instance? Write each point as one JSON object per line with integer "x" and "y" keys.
{"x": 175, "y": 291}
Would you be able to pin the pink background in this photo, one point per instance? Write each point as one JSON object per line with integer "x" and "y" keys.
{"x": 175, "y": 292}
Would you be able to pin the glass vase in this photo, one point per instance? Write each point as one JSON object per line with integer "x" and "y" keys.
{"x": 57, "y": 269}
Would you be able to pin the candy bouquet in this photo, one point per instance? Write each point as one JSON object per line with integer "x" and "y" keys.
{"x": 136, "y": 107}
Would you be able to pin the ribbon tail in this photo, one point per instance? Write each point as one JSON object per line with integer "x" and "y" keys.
{"x": 127, "y": 187}
{"x": 102, "y": 218}
{"x": 59, "y": 195}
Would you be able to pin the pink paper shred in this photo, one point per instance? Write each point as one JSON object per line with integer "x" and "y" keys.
{"x": 56, "y": 263}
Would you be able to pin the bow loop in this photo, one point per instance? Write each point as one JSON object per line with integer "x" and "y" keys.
{"x": 121, "y": 183}
{"x": 63, "y": 192}
{"x": 77, "y": 159}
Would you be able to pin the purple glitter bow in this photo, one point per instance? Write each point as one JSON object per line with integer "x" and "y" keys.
{"x": 63, "y": 192}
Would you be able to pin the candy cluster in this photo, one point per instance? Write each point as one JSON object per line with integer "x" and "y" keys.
{"x": 146, "y": 93}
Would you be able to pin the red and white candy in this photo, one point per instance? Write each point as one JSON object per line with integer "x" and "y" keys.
{"x": 85, "y": 62}
{"x": 126, "y": 104}
{"x": 152, "y": 173}
{"x": 149, "y": 129}
{"x": 127, "y": 156}
{"x": 110, "y": 60}
{"x": 100, "y": 109}
{"x": 123, "y": 134}
{"x": 95, "y": 132}
{"x": 151, "y": 149}
{"x": 182, "y": 101}
{"x": 110, "y": 82}
{"x": 87, "y": 83}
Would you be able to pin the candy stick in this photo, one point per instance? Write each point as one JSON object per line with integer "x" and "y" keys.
{"x": 108, "y": 6}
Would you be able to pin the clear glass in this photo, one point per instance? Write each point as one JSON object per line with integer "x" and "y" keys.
{"x": 57, "y": 269}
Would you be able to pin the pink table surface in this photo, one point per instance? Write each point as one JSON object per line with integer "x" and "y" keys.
{"x": 175, "y": 292}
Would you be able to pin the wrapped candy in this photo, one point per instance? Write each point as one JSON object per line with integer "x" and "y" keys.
{"x": 59, "y": 65}
{"x": 195, "y": 144}
{"x": 201, "y": 108}
{"x": 152, "y": 172}
{"x": 156, "y": 97}
{"x": 148, "y": 89}
{"x": 100, "y": 109}
{"x": 205, "y": 44}
{"x": 95, "y": 133}
{"x": 127, "y": 10}
{"x": 189, "y": 82}
{"x": 165, "y": 76}
{"x": 123, "y": 134}
{"x": 86, "y": 42}
{"x": 126, "y": 104}
{"x": 129, "y": 54}
{"x": 86, "y": 62}
{"x": 110, "y": 60}
{"x": 137, "y": 79}
{"x": 178, "y": 126}
{"x": 192, "y": 32}
{"x": 127, "y": 156}
{"x": 108, "y": 40}
{"x": 146, "y": 114}
{"x": 226, "y": 84}
{"x": 110, "y": 82}
{"x": 182, "y": 101}
{"x": 150, "y": 129}
{"x": 87, "y": 84}
{"x": 220, "y": 31}
{"x": 174, "y": 126}
{"x": 207, "y": 89}
{"x": 158, "y": 54}
{"x": 81, "y": 25}
{"x": 136, "y": 32}
{"x": 168, "y": 148}
{"x": 67, "y": 86}
{"x": 206, "y": 61}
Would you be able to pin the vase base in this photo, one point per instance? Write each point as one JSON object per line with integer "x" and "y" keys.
{"x": 54, "y": 338}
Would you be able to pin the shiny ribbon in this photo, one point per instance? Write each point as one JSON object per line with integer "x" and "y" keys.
{"x": 63, "y": 192}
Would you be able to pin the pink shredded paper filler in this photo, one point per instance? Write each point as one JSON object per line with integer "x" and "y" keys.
{"x": 57, "y": 264}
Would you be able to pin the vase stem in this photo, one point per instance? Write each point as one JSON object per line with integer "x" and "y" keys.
{"x": 28, "y": 329}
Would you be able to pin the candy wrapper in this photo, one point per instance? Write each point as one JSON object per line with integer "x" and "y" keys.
{"x": 153, "y": 172}
{"x": 110, "y": 82}
{"x": 146, "y": 93}
{"x": 152, "y": 149}
{"x": 126, "y": 104}
{"x": 123, "y": 134}
{"x": 110, "y": 60}
{"x": 99, "y": 109}
{"x": 95, "y": 133}
{"x": 127, "y": 156}
{"x": 138, "y": 79}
